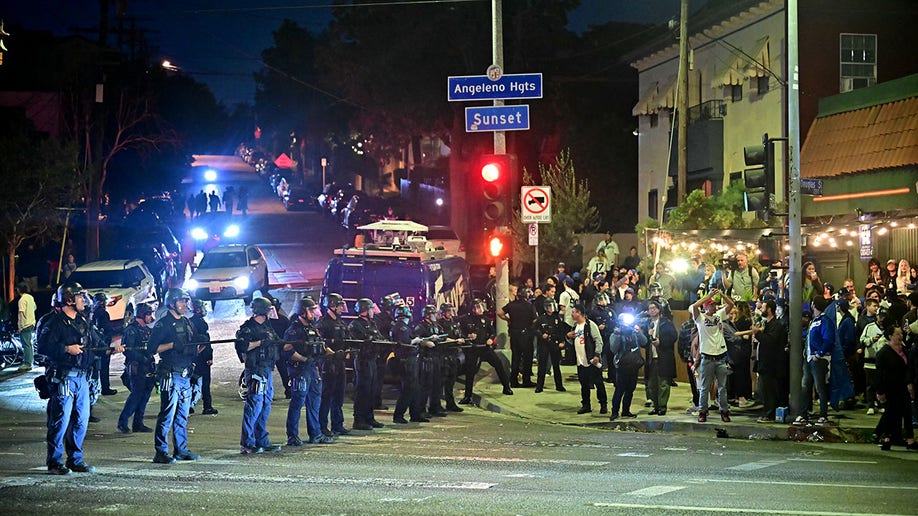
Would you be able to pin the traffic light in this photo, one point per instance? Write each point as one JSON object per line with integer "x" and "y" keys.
{"x": 498, "y": 176}
{"x": 759, "y": 179}
{"x": 499, "y": 246}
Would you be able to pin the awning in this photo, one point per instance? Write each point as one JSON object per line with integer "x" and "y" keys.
{"x": 667, "y": 97}
{"x": 643, "y": 106}
{"x": 762, "y": 64}
{"x": 741, "y": 67}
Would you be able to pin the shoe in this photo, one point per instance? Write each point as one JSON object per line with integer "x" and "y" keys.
{"x": 210, "y": 411}
{"x": 648, "y": 403}
{"x": 24, "y": 368}
{"x": 376, "y": 424}
{"x": 454, "y": 408}
{"x": 400, "y": 420}
{"x": 822, "y": 422}
{"x": 801, "y": 421}
{"x": 80, "y": 467}
{"x": 912, "y": 446}
{"x": 326, "y": 432}
{"x": 163, "y": 458}
{"x": 613, "y": 417}
{"x": 560, "y": 389}
{"x": 584, "y": 410}
{"x": 295, "y": 441}
{"x": 628, "y": 414}
{"x": 603, "y": 409}
{"x": 322, "y": 439}
{"x": 467, "y": 400}
{"x": 245, "y": 450}
{"x": 339, "y": 431}
{"x": 439, "y": 413}
{"x": 93, "y": 419}
{"x": 886, "y": 445}
{"x": 186, "y": 455}
{"x": 142, "y": 430}
{"x": 528, "y": 385}
{"x": 421, "y": 419}
{"x": 508, "y": 391}
{"x": 871, "y": 411}
{"x": 703, "y": 416}
{"x": 380, "y": 407}
{"x": 538, "y": 390}
{"x": 124, "y": 430}
{"x": 654, "y": 412}
{"x": 108, "y": 392}
{"x": 765, "y": 420}
{"x": 271, "y": 448}
{"x": 609, "y": 380}
{"x": 362, "y": 426}
{"x": 725, "y": 416}
{"x": 661, "y": 412}
{"x": 191, "y": 410}
{"x": 58, "y": 469}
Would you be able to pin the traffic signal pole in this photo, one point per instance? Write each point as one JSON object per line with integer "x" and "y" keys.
{"x": 502, "y": 281}
{"x": 795, "y": 287}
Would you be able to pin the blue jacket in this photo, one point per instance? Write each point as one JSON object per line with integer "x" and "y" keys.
{"x": 821, "y": 337}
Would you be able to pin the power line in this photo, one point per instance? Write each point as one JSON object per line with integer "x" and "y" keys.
{"x": 330, "y": 6}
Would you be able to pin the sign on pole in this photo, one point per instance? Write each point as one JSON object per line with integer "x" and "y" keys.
{"x": 535, "y": 204}
{"x": 534, "y": 234}
{"x": 504, "y": 87}
{"x": 496, "y": 118}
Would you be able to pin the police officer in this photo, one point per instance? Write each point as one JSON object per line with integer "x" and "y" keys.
{"x": 279, "y": 321}
{"x": 103, "y": 324}
{"x": 363, "y": 329}
{"x": 407, "y": 355}
{"x": 479, "y": 330}
{"x": 65, "y": 339}
{"x": 550, "y": 333}
{"x": 384, "y": 321}
{"x": 604, "y": 316}
{"x": 333, "y": 329}
{"x": 303, "y": 371}
{"x": 450, "y": 326}
{"x": 429, "y": 362}
{"x": 139, "y": 370}
{"x": 521, "y": 316}
{"x": 258, "y": 350}
{"x": 205, "y": 358}
{"x": 172, "y": 338}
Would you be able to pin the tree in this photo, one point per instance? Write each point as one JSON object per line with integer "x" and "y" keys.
{"x": 40, "y": 178}
{"x": 571, "y": 212}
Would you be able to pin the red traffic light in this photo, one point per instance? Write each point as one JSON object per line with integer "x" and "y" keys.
{"x": 496, "y": 246}
{"x": 490, "y": 172}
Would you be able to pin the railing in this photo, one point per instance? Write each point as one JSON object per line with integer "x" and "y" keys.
{"x": 710, "y": 110}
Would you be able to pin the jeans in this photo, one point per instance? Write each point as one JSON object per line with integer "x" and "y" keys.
{"x": 257, "y": 409}
{"x": 815, "y": 374}
{"x": 713, "y": 369}
{"x": 305, "y": 391}
{"x": 27, "y": 338}
{"x": 625, "y": 383}
{"x": 365, "y": 386}
{"x": 334, "y": 383}
{"x": 136, "y": 403}
{"x": 591, "y": 376}
{"x": 68, "y": 418}
{"x": 173, "y": 415}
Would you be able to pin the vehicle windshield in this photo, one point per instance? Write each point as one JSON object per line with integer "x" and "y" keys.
{"x": 441, "y": 234}
{"x": 100, "y": 279}
{"x": 223, "y": 260}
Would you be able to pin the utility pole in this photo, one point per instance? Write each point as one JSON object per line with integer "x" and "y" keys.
{"x": 682, "y": 103}
{"x": 795, "y": 286}
{"x": 502, "y": 281}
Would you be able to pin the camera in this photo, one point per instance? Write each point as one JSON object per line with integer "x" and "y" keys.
{"x": 729, "y": 263}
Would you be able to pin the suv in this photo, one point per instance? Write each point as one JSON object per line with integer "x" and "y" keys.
{"x": 125, "y": 283}
{"x": 233, "y": 271}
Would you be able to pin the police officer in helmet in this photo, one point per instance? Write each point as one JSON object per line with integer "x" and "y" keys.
{"x": 450, "y": 326}
{"x": 205, "y": 358}
{"x": 103, "y": 324}
{"x": 384, "y": 320}
{"x": 257, "y": 348}
{"x": 333, "y": 329}
{"x": 479, "y": 329}
{"x": 429, "y": 364}
{"x": 364, "y": 329}
{"x": 407, "y": 355}
{"x": 172, "y": 339}
{"x": 139, "y": 369}
{"x": 303, "y": 370}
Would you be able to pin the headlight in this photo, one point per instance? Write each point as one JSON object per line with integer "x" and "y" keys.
{"x": 232, "y": 231}
{"x": 199, "y": 234}
{"x": 241, "y": 283}
{"x": 210, "y": 175}
{"x": 191, "y": 284}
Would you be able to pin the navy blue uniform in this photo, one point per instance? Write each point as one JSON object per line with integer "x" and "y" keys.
{"x": 408, "y": 373}
{"x": 334, "y": 380}
{"x": 259, "y": 364}
{"x": 550, "y": 332}
{"x": 365, "y": 369}
{"x": 450, "y": 364}
{"x": 203, "y": 361}
{"x": 483, "y": 328}
{"x": 68, "y": 376}
{"x": 174, "y": 376}
{"x": 305, "y": 383}
{"x": 384, "y": 323}
{"x": 139, "y": 374}
{"x": 605, "y": 319}
{"x": 429, "y": 371}
{"x": 103, "y": 324}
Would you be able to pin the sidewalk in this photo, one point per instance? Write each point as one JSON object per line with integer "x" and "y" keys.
{"x": 853, "y": 426}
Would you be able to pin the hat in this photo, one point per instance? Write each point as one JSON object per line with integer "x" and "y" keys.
{"x": 561, "y": 264}
{"x": 890, "y": 261}
{"x": 882, "y": 311}
{"x": 709, "y": 301}
{"x": 598, "y": 274}
{"x": 820, "y": 303}
{"x": 629, "y": 290}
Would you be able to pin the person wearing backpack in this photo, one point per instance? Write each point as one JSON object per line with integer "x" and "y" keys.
{"x": 627, "y": 341}
{"x": 587, "y": 349}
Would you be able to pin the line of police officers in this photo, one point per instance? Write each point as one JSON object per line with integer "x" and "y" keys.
{"x": 315, "y": 349}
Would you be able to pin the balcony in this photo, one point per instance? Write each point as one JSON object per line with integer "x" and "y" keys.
{"x": 710, "y": 110}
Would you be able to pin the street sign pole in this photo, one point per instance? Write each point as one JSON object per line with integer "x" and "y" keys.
{"x": 795, "y": 287}
{"x": 500, "y": 147}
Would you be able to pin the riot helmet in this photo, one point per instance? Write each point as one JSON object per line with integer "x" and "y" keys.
{"x": 67, "y": 294}
{"x": 304, "y": 305}
{"x": 447, "y": 310}
{"x": 430, "y": 313}
{"x": 261, "y": 306}
{"x": 336, "y": 303}
{"x": 550, "y": 305}
{"x": 199, "y": 307}
{"x": 99, "y": 298}
{"x": 402, "y": 312}
{"x": 524, "y": 294}
{"x": 143, "y": 310}
{"x": 174, "y": 295}
{"x": 478, "y": 306}
{"x": 365, "y": 305}
{"x": 602, "y": 299}
{"x": 388, "y": 303}
{"x": 656, "y": 290}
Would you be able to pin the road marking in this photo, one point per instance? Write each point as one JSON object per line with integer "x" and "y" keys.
{"x": 488, "y": 459}
{"x": 735, "y": 510}
{"x": 655, "y": 490}
{"x": 668, "y": 448}
{"x": 634, "y": 454}
{"x": 523, "y": 475}
{"x": 836, "y": 461}
{"x": 801, "y": 484}
{"x": 752, "y": 466}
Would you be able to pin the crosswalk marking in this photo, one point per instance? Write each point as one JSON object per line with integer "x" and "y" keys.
{"x": 655, "y": 490}
{"x": 752, "y": 466}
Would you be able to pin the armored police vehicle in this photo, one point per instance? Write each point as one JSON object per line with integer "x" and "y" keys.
{"x": 394, "y": 256}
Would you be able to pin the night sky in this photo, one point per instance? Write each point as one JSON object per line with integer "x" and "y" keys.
{"x": 220, "y": 42}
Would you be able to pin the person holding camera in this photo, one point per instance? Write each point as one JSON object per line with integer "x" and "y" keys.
{"x": 742, "y": 279}
{"x": 714, "y": 359}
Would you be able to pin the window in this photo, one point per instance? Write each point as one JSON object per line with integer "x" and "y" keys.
{"x": 653, "y": 203}
{"x": 736, "y": 178}
{"x": 761, "y": 85}
{"x": 734, "y": 92}
{"x": 858, "y": 59}
{"x": 654, "y": 120}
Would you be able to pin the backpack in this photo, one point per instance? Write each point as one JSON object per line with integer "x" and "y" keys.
{"x": 631, "y": 359}
{"x": 685, "y": 340}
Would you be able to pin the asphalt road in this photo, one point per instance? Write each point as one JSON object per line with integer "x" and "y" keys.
{"x": 477, "y": 462}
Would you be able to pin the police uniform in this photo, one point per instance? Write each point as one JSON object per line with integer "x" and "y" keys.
{"x": 202, "y": 363}
{"x": 259, "y": 364}
{"x": 305, "y": 384}
{"x": 384, "y": 323}
{"x": 174, "y": 376}
{"x": 522, "y": 315}
{"x": 483, "y": 329}
{"x": 429, "y": 371}
{"x": 407, "y": 355}
{"x": 365, "y": 367}
{"x": 550, "y": 333}
{"x": 139, "y": 376}
{"x": 450, "y": 365}
{"x": 103, "y": 324}
{"x": 605, "y": 318}
{"x": 334, "y": 380}
{"x": 68, "y": 382}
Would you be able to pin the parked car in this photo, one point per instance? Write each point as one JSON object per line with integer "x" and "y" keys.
{"x": 300, "y": 198}
{"x": 232, "y": 271}
{"x": 444, "y": 237}
{"x": 125, "y": 283}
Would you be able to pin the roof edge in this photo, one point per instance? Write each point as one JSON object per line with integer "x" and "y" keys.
{"x": 882, "y": 93}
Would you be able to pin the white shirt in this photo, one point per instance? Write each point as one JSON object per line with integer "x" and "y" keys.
{"x": 580, "y": 345}
{"x": 711, "y": 332}
{"x": 567, "y": 300}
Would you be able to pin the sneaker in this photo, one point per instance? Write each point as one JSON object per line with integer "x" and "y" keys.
{"x": 80, "y": 467}
{"x": 163, "y": 458}
{"x": 124, "y": 429}
{"x": 871, "y": 411}
{"x": 725, "y": 416}
{"x": 186, "y": 455}
{"x": 58, "y": 469}
{"x": 295, "y": 441}
{"x": 801, "y": 421}
{"x": 142, "y": 429}
{"x": 210, "y": 411}
{"x": 271, "y": 448}
{"x": 822, "y": 422}
{"x": 765, "y": 420}
{"x": 322, "y": 439}
{"x": 703, "y": 416}
{"x": 245, "y": 450}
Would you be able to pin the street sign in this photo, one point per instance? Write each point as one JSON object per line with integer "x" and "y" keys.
{"x": 496, "y": 118}
{"x": 506, "y": 86}
{"x": 811, "y": 186}
{"x": 534, "y": 234}
{"x": 535, "y": 204}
